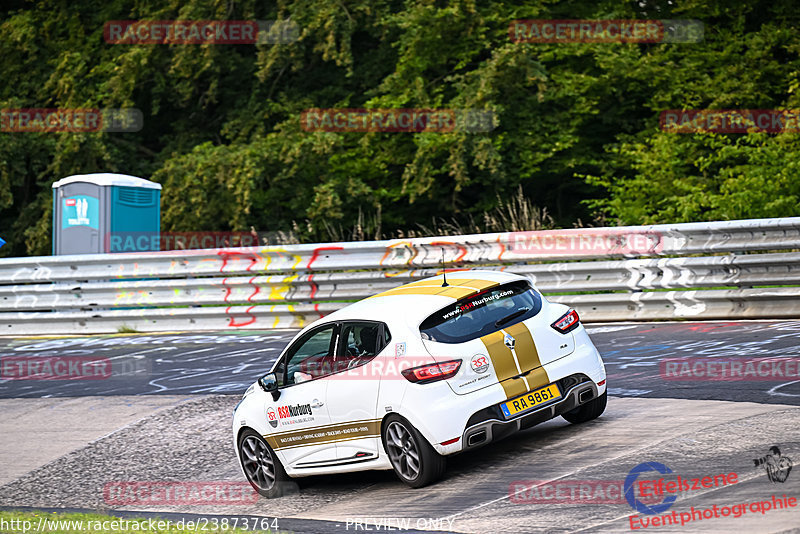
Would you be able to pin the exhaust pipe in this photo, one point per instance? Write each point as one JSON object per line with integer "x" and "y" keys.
{"x": 476, "y": 438}
{"x": 585, "y": 396}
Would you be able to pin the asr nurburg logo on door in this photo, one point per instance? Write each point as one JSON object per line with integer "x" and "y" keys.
{"x": 509, "y": 341}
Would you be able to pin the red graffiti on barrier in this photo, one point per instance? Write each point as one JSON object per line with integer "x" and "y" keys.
{"x": 254, "y": 258}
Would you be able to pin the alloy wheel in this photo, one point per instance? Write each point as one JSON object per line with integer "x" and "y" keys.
{"x": 259, "y": 466}
{"x": 403, "y": 450}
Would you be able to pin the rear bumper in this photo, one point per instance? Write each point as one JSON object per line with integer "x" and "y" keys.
{"x": 440, "y": 415}
{"x": 580, "y": 377}
{"x": 489, "y": 425}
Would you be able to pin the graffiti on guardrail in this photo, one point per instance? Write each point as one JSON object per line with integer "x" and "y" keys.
{"x": 236, "y": 320}
{"x": 290, "y": 285}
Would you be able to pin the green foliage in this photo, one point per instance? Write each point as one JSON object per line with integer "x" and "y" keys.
{"x": 576, "y": 124}
{"x": 709, "y": 177}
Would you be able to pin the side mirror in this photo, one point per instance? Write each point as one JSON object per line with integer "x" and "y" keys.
{"x": 269, "y": 383}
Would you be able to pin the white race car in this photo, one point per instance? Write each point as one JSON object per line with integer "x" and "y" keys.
{"x": 406, "y": 377}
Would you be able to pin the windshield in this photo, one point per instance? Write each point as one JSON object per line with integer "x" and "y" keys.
{"x": 482, "y": 314}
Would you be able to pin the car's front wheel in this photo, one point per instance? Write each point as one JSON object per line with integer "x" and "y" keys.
{"x": 586, "y": 412}
{"x": 261, "y": 466}
{"x": 413, "y": 459}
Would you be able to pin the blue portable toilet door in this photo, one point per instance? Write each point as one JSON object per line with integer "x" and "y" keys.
{"x": 79, "y": 219}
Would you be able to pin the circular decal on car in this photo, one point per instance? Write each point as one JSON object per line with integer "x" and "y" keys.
{"x": 273, "y": 419}
{"x": 479, "y": 363}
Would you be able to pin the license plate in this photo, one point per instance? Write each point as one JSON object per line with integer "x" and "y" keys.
{"x": 530, "y": 400}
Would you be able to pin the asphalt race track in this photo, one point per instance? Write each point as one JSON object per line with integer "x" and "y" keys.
{"x": 167, "y": 419}
{"x": 225, "y": 363}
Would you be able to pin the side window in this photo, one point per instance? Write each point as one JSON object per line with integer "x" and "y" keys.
{"x": 312, "y": 357}
{"x": 387, "y": 337}
{"x": 360, "y": 342}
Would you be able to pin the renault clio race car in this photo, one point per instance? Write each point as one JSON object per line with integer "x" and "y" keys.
{"x": 407, "y": 377}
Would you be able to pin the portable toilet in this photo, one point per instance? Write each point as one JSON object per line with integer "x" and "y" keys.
{"x": 105, "y": 212}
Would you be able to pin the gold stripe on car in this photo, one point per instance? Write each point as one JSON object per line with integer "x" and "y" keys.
{"x": 329, "y": 433}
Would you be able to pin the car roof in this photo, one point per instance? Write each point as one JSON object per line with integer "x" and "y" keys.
{"x": 412, "y": 303}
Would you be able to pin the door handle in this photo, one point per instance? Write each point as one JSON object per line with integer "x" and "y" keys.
{"x": 317, "y": 404}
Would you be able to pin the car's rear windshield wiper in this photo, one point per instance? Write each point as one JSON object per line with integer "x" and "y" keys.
{"x": 511, "y": 317}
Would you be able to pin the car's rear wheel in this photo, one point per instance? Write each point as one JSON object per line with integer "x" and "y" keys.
{"x": 261, "y": 466}
{"x": 414, "y": 460}
{"x": 586, "y": 412}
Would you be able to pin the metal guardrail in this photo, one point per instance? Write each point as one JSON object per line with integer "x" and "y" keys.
{"x": 648, "y": 272}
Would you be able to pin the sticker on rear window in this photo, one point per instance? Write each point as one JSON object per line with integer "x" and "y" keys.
{"x": 483, "y": 313}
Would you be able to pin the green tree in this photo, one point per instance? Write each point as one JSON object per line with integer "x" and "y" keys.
{"x": 576, "y": 124}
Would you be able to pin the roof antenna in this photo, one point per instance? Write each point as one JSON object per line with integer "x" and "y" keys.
{"x": 444, "y": 271}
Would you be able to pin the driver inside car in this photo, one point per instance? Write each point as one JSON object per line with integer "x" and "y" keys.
{"x": 367, "y": 340}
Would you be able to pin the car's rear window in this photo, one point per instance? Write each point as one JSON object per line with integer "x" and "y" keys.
{"x": 482, "y": 314}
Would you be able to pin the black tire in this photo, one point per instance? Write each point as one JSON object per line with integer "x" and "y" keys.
{"x": 262, "y": 468}
{"x": 414, "y": 459}
{"x": 586, "y": 412}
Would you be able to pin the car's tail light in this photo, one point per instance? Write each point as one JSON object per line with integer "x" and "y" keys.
{"x": 434, "y": 372}
{"x": 568, "y": 322}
